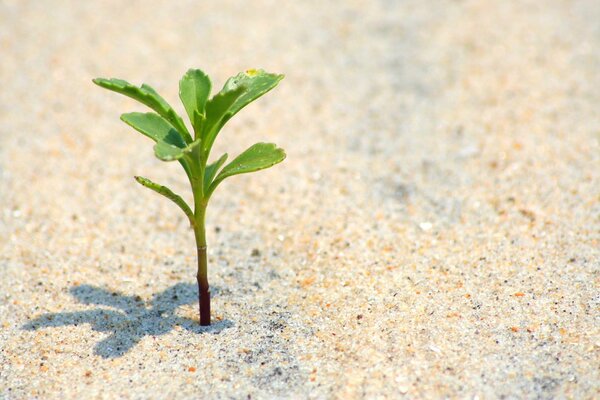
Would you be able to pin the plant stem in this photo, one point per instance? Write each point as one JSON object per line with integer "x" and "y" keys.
{"x": 202, "y": 276}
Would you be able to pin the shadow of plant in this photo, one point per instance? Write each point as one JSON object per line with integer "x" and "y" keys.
{"x": 133, "y": 318}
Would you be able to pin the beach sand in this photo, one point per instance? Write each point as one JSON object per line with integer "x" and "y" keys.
{"x": 433, "y": 233}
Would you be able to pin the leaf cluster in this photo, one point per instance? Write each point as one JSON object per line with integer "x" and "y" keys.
{"x": 207, "y": 115}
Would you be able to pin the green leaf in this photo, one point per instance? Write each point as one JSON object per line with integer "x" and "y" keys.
{"x": 238, "y": 91}
{"x": 169, "y": 145}
{"x": 168, "y": 193}
{"x": 217, "y": 113}
{"x": 155, "y": 127}
{"x": 258, "y": 156}
{"x": 211, "y": 170}
{"x": 256, "y": 83}
{"x": 167, "y": 152}
{"x": 194, "y": 89}
{"x": 149, "y": 97}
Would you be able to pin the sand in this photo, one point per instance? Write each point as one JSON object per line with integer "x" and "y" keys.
{"x": 433, "y": 233}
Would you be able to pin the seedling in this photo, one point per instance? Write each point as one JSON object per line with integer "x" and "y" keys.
{"x": 175, "y": 143}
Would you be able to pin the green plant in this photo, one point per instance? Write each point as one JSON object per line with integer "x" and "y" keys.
{"x": 174, "y": 142}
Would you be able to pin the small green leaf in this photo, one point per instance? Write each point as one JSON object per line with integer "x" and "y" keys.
{"x": 256, "y": 83}
{"x": 211, "y": 170}
{"x": 155, "y": 127}
{"x": 217, "y": 113}
{"x": 194, "y": 89}
{"x": 167, "y": 152}
{"x": 169, "y": 145}
{"x": 258, "y": 156}
{"x": 168, "y": 193}
{"x": 149, "y": 97}
{"x": 238, "y": 91}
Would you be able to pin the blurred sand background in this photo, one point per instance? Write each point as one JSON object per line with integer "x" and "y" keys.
{"x": 434, "y": 231}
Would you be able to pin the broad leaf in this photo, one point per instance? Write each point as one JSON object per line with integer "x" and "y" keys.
{"x": 238, "y": 91}
{"x": 194, "y": 89}
{"x": 168, "y": 193}
{"x": 211, "y": 170}
{"x": 149, "y": 97}
{"x": 258, "y": 156}
{"x": 155, "y": 127}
